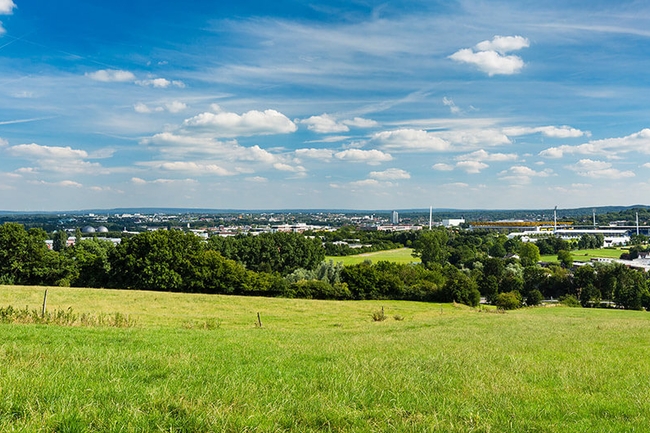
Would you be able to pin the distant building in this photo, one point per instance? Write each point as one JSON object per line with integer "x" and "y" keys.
{"x": 453, "y": 222}
{"x": 394, "y": 218}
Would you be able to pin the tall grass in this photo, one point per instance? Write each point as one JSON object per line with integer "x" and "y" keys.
{"x": 322, "y": 366}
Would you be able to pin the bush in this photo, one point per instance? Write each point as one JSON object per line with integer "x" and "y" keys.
{"x": 534, "y": 298}
{"x": 569, "y": 301}
{"x": 508, "y": 300}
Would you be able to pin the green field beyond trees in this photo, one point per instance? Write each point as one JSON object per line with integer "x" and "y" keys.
{"x": 199, "y": 363}
{"x": 399, "y": 255}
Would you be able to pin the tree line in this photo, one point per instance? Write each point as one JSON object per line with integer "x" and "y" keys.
{"x": 456, "y": 265}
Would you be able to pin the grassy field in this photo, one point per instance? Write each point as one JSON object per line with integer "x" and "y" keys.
{"x": 401, "y": 255}
{"x": 320, "y": 366}
{"x": 586, "y": 255}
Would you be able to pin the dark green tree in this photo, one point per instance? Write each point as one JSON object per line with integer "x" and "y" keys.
{"x": 431, "y": 247}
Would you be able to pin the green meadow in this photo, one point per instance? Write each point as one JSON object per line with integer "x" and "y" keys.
{"x": 400, "y": 255}
{"x": 202, "y": 363}
{"x": 587, "y": 255}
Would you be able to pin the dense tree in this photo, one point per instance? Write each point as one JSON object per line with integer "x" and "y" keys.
{"x": 25, "y": 258}
{"x": 271, "y": 252}
{"x": 431, "y": 247}
{"x": 528, "y": 254}
{"x": 565, "y": 258}
{"x": 157, "y": 260}
{"x": 92, "y": 261}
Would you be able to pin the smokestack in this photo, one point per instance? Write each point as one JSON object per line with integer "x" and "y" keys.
{"x": 430, "y": 216}
{"x": 555, "y": 220}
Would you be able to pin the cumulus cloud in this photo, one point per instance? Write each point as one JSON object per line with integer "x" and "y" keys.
{"x": 490, "y": 56}
{"x": 7, "y": 7}
{"x": 196, "y": 168}
{"x": 503, "y": 44}
{"x": 53, "y": 158}
{"x": 473, "y": 138}
{"x": 609, "y": 147}
{"x": 286, "y": 167}
{"x": 599, "y": 170}
{"x": 37, "y": 151}
{"x": 442, "y": 167}
{"x": 111, "y": 76}
{"x": 224, "y": 124}
{"x": 482, "y": 155}
{"x": 360, "y": 122}
{"x": 3, "y": 142}
{"x": 520, "y": 174}
{"x": 548, "y": 131}
{"x": 257, "y": 179}
{"x": 161, "y": 83}
{"x": 371, "y": 157}
{"x": 327, "y": 124}
{"x": 140, "y": 181}
{"x": 404, "y": 140}
{"x": 390, "y": 174}
{"x": 472, "y": 167}
{"x": 365, "y": 183}
{"x": 324, "y": 124}
{"x": 175, "y": 106}
{"x": 321, "y": 154}
{"x": 172, "y": 107}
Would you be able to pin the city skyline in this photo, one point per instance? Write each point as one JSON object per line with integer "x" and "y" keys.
{"x": 343, "y": 105}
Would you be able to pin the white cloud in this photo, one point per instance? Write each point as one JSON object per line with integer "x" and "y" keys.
{"x": 37, "y": 151}
{"x": 160, "y": 83}
{"x": 442, "y": 167}
{"x": 452, "y": 106}
{"x": 360, "y": 122}
{"x": 286, "y": 167}
{"x": 257, "y": 179}
{"x": 371, "y": 157}
{"x": 140, "y": 181}
{"x": 196, "y": 168}
{"x": 111, "y": 76}
{"x": 646, "y": 165}
{"x": 548, "y": 131}
{"x": 3, "y": 142}
{"x": 390, "y": 174}
{"x": 410, "y": 140}
{"x": 141, "y": 108}
{"x": 175, "y": 106}
{"x": 482, "y": 155}
{"x": 456, "y": 185}
{"x": 471, "y": 167}
{"x": 598, "y": 169}
{"x": 365, "y": 183}
{"x": 490, "y": 56}
{"x": 324, "y": 124}
{"x": 172, "y": 107}
{"x": 609, "y": 147}
{"x": 7, "y": 7}
{"x": 253, "y": 122}
{"x": 503, "y": 44}
{"x": 327, "y": 124}
{"x": 473, "y": 138}
{"x": 520, "y": 174}
{"x": 70, "y": 183}
{"x": 322, "y": 154}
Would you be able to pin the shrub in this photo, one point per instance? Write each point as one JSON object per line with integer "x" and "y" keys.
{"x": 534, "y": 298}
{"x": 378, "y": 316}
{"x": 508, "y": 300}
{"x": 569, "y": 301}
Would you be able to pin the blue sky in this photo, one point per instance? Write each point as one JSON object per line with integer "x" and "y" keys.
{"x": 337, "y": 104}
